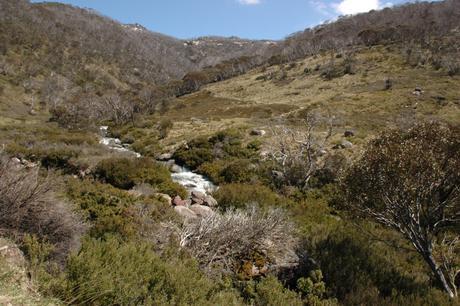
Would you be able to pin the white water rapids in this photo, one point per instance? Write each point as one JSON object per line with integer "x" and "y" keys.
{"x": 190, "y": 180}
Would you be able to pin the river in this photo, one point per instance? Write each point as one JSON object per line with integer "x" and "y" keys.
{"x": 181, "y": 175}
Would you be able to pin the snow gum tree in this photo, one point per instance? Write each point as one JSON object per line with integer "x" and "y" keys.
{"x": 410, "y": 181}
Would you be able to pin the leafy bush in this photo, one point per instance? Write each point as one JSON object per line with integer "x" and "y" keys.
{"x": 223, "y": 145}
{"x": 238, "y": 171}
{"x": 113, "y": 211}
{"x": 242, "y": 195}
{"x": 125, "y": 173}
{"x": 270, "y": 292}
{"x": 56, "y": 157}
{"x": 228, "y": 171}
{"x": 346, "y": 258}
{"x": 112, "y": 272}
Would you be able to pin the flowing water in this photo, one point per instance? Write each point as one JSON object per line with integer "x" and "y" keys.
{"x": 190, "y": 180}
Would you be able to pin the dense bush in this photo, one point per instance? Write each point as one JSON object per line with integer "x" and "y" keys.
{"x": 271, "y": 292}
{"x": 223, "y": 145}
{"x": 229, "y": 171}
{"x": 125, "y": 173}
{"x": 112, "y": 272}
{"x": 115, "y": 211}
{"x": 242, "y": 195}
{"x": 60, "y": 157}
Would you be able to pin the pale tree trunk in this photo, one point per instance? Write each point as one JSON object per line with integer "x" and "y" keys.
{"x": 449, "y": 288}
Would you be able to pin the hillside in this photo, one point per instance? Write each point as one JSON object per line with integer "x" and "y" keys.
{"x": 358, "y": 101}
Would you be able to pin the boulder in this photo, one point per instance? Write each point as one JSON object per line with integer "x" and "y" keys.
{"x": 201, "y": 210}
{"x": 15, "y": 160}
{"x": 197, "y": 201}
{"x": 198, "y": 195}
{"x": 346, "y": 144}
{"x": 278, "y": 175}
{"x": 176, "y": 169}
{"x": 210, "y": 201}
{"x": 177, "y": 201}
{"x": 257, "y": 132}
{"x": 165, "y": 157}
{"x": 185, "y": 212}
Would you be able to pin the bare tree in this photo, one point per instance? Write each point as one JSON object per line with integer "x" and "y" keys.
{"x": 117, "y": 109}
{"x": 224, "y": 240}
{"x": 410, "y": 181}
{"x": 297, "y": 152}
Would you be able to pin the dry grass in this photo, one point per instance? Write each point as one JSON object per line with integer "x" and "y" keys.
{"x": 358, "y": 102}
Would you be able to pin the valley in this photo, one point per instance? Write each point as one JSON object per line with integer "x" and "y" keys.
{"x": 140, "y": 169}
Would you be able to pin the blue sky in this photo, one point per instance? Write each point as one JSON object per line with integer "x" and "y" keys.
{"x": 256, "y": 19}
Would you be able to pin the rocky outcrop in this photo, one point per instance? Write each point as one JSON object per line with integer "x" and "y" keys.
{"x": 200, "y": 204}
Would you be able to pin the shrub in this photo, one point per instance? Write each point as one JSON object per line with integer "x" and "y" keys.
{"x": 242, "y": 195}
{"x": 56, "y": 157}
{"x": 223, "y": 145}
{"x": 223, "y": 241}
{"x": 112, "y": 272}
{"x": 125, "y": 173}
{"x": 29, "y": 206}
{"x": 113, "y": 211}
{"x": 238, "y": 171}
{"x": 270, "y": 291}
{"x": 164, "y": 126}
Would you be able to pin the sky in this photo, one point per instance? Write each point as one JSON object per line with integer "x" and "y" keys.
{"x": 253, "y": 19}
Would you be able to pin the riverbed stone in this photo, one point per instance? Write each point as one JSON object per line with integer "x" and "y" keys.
{"x": 197, "y": 201}
{"x": 165, "y": 157}
{"x": 201, "y": 210}
{"x": 176, "y": 169}
{"x": 177, "y": 201}
{"x": 185, "y": 212}
{"x": 210, "y": 201}
{"x": 198, "y": 195}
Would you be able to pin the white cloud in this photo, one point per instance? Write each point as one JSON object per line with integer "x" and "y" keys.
{"x": 350, "y": 7}
{"x": 249, "y": 2}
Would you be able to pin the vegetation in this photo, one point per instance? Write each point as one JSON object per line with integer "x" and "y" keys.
{"x": 412, "y": 187}
{"x": 125, "y": 173}
{"x": 333, "y": 188}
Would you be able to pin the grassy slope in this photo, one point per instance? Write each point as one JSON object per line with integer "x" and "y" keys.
{"x": 358, "y": 101}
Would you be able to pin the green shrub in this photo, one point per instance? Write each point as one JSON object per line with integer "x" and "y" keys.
{"x": 111, "y": 272}
{"x": 125, "y": 173}
{"x": 242, "y": 195}
{"x": 347, "y": 258}
{"x": 224, "y": 145}
{"x": 56, "y": 157}
{"x": 238, "y": 171}
{"x": 103, "y": 205}
{"x": 164, "y": 126}
{"x": 270, "y": 291}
